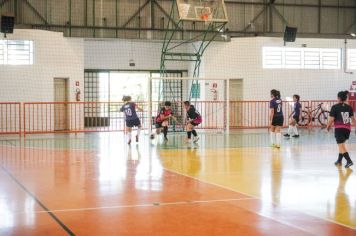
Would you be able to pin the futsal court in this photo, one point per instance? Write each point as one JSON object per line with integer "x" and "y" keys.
{"x": 235, "y": 184}
{"x": 177, "y": 118}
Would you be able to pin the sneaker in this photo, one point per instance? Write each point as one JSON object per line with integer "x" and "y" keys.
{"x": 136, "y": 138}
{"x": 152, "y": 136}
{"x": 295, "y": 136}
{"x": 195, "y": 139}
{"x": 129, "y": 142}
{"x": 338, "y": 163}
{"x": 348, "y": 164}
{"x": 277, "y": 146}
{"x": 286, "y": 135}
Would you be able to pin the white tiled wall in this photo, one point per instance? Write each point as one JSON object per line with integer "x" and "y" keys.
{"x": 116, "y": 54}
{"x": 242, "y": 58}
{"x": 54, "y": 57}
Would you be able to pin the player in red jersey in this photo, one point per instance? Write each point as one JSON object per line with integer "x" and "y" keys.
{"x": 162, "y": 120}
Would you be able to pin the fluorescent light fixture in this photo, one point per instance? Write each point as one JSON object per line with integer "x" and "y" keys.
{"x": 353, "y": 34}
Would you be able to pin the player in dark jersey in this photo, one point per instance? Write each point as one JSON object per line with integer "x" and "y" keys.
{"x": 193, "y": 119}
{"x": 276, "y": 118}
{"x": 293, "y": 122}
{"x": 342, "y": 116}
{"x": 131, "y": 118}
{"x": 162, "y": 120}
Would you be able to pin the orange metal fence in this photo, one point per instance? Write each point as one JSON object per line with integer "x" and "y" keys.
{"x": 255, "y": 114}
{"x": 76, "y": 117}
{"x": 10, "y": 118}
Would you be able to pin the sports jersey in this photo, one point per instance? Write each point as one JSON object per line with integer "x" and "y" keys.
{"x": 342, "y": 114}
{"x": 193, "y": 115}
{"x": 276, "y": 105}
{"x": 165, "y": 112}
{"x": 130, "y": 111}
{"x": 297, "y": 107}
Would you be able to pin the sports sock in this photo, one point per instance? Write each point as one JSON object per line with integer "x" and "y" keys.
{"x": 189, "y": 133}
{"x": 347, "y": 157}
{"x": 339, "y": 159}
{"x": 128, "y": 135}
{"x": 273, "y": 138}
{"x": 138, "y": 131}
{"x": 295, "y": 130}
{"x": 165, "y": 131}
{"x": 278, "y": 139}
{"x": 290, "y": 130}
{"x": 194, "y": 133}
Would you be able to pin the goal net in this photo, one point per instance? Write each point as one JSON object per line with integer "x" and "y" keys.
{"x": 209, "y": 96}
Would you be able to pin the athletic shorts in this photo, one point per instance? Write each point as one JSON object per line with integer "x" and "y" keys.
{"x": 341, "y": 135}
{"x": 296, "y": 118}
{"x": 158, "y": 125}
{"x": 194, "y": 124}
{"x": 133, "y": 123}
{"x": 278, "y": 121}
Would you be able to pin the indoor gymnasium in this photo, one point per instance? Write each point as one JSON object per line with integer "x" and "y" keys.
{"x": 178, "y": 117}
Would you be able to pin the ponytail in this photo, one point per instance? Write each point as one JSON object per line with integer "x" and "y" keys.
{"x": 275, "y": 93}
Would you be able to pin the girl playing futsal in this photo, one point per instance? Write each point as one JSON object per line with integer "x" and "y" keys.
{"x": 293, "y": 122}
{"x": 342, "y": 116}
{"x": 193, "y": 119}
{"x": 131, "y": 118}
{"x": 162, "y": 120}
{"x": 276, "y": 118}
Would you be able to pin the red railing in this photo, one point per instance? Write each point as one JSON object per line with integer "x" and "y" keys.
{"x": 76, "y": 117}
{"x": 255, "y": 114}
{"x": 10, "y": 118}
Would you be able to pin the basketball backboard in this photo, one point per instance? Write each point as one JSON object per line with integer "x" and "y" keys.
{"x": 202, "y": 10}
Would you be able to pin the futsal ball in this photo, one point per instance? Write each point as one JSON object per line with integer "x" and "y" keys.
{"x": 152, "y": 136}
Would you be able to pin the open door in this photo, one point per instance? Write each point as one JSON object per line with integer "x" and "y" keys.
{"x": 60, "y": 109}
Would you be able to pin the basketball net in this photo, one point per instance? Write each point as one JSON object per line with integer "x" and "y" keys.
{"x": 206, "y": 15}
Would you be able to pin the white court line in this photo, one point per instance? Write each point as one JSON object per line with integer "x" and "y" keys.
{"x": 140, "y": 205}
{"x": 257, "y": 198}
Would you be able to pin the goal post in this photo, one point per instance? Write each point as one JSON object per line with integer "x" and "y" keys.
{"x": 210, "y": 96}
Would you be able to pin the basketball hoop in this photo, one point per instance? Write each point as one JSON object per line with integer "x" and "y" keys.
{"x": 204, "y": 17}
{"x": 204, "y": 14}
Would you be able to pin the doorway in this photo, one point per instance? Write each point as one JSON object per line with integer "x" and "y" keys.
{"x": 60, "y": 108}
{"x": 236, "y": 108}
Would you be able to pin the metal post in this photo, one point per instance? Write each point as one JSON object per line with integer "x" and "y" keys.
{"x": 70, "y": 17}
{"x": 116, "y": 17}
{"x": 94, "y": 18}
{"x": 149, "y": 105}
{"x": 227, "y": 99}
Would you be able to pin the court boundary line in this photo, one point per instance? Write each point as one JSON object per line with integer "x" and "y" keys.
{"x": 258, "y": 198}
{"x": 49, "y": 212}
{"x": 153, "y": 204}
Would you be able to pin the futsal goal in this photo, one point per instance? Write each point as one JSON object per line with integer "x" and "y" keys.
{"x": 208, "y": 95}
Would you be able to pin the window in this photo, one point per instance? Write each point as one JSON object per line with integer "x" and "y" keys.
{"x": 301, "y": 58}
{"x": 16, "y": 52}
{"x": 351, "y": 59}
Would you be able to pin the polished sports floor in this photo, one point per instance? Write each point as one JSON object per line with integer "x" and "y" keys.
{"x": 228, "y": 184}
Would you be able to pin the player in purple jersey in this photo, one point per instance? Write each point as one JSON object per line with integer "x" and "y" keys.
{"x": 276, "y": 118}
{"x": 193, "y": 119}
{"x": 131, "y": 118}
{"x": 293, "y": 122}
{"x": 342, "y": 116}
